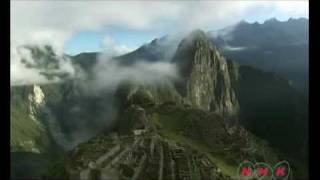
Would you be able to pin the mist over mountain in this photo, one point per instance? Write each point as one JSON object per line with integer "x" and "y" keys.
{"x": 172, "y": 102}
{"x": 41, "y": 64}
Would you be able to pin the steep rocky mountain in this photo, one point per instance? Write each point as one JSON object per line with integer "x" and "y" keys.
{"x": 205, "y": 79}
{"x": 275, "y": 46}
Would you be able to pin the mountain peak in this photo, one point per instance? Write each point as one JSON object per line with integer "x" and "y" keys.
{"x": 198, "y": 33}
{"x": 187, "y": 49}
{"x": 196, "y": 39}
{"x": 154, "y": 41}
{"x": 205, "y": 78}
{"x": 271, "y": 20}
{"x": 242, "y": 22}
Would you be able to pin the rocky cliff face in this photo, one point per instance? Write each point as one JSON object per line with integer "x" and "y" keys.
{"x": 206, "y": 81}
{"x": 28, "y": 133}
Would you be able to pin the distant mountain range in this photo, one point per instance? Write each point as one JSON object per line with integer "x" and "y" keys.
{"x": 275, "y": 46}
{"x": 268, "y": 34}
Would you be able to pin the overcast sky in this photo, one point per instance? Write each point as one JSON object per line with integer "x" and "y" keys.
{"x": 121, "y": 26}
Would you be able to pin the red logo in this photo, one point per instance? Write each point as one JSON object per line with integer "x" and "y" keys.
{"x": 248, "y": 170}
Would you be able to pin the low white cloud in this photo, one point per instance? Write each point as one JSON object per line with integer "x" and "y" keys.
{"x": 21, "y": 74}
{"x": 233, "y": 48}
{"x": 111, "y": 48}
{"x": 108, "y": 73}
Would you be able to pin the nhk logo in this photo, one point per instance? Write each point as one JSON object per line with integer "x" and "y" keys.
{"x": 248, "y": 170}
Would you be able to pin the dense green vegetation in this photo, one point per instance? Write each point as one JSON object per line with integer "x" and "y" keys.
{"x": 274, "y": 110}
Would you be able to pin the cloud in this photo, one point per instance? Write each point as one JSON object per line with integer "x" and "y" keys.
{"x": 233, "y": 48}
{"x": 108, "y": 73}
{"x": 26, "y": 69}
{"x": 19, "y": 73}
{"x": 111, "y": 48}
{"x": 58, "y": 20}
{"x": 54, "y": 22}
